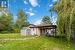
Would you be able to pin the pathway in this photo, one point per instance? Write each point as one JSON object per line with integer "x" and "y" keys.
{"x": 18, "y": 38}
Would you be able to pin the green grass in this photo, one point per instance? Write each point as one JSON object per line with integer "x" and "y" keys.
{"x": 12, "y": 35}
{"x": 39, "y": 43}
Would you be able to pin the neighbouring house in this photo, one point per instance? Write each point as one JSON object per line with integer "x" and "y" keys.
{"x": 41, "y": 29}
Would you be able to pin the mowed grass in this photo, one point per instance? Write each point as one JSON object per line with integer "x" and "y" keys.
{"x": 39, "y": 43}
{"x": 13, "y": 35}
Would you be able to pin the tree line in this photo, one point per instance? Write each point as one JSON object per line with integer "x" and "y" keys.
{"x": 7, "y": 22}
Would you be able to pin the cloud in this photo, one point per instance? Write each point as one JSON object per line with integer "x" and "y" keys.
{"x": 25, "y": 2}
{"x": 54, "y": 19}
{"x": 54, "y": 0}
{"x": 34, "y": 3}
{"x": 30, "y": 9}
{"x": 15, "y": 18}
{"x": 25, "y": 9}
{"x": 39, "y": 5}
{"x": 30, "y": 13}
{"x": 50, "y": 5}
{"x": 37, "y": 22}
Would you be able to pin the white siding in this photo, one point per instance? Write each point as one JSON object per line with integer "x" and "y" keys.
{"x": 33, "y": 31}
{"x": 23, "y": 32}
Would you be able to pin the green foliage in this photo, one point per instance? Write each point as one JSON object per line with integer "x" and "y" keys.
{"x": 65, "y": 20}
{"x": 46, "y": 20}
{"x": 6, "y": 22}
{"x": 40, "y": 43}
{"x": 12, "y": 35}
{"x": 21, "y": 20}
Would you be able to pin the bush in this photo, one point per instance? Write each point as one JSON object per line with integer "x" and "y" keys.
{"x": 3, "y": 32}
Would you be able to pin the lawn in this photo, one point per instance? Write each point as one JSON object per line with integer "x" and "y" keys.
{"x": 39, "y": 43}
{"x": 13, "y": 35}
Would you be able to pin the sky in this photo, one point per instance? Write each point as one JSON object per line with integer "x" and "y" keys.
{"x": 35, "y": 9}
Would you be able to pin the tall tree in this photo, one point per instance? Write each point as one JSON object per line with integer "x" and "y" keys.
{"x": 6, "y": 21}
{"x": 21, "y": 20}
{"x": 46, "y": 20}
{"x": 65, "y": 10}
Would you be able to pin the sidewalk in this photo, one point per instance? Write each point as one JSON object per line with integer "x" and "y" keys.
{"x": 17, "y": 38}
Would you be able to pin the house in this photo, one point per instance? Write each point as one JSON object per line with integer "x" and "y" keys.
{"x": 41, "y": 29}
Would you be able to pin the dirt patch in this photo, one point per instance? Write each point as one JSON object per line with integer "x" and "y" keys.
{"x": 56, "y": 48}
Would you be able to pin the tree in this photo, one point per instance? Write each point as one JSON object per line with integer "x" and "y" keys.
{"x": 73, "y": 25}
{"x": 46, "y": 20}
{"x": 21, "y": 20}
{"x": 65, "y": 22}
{"x": 6, "y": 21}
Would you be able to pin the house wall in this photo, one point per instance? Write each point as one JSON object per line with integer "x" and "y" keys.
{"x": 32, "y": 31}
{"x": 47, "y": 31}
{"x": 50, "y": 31}
{"x": 38, "y": 31}
{"x": 35, "y": 31}
{"x": 23, "y": 32}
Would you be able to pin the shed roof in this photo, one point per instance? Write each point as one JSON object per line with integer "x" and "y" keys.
{"x": 43, "y": 25}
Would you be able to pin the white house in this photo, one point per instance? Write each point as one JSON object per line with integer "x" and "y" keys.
{"x": 39, "y": 30}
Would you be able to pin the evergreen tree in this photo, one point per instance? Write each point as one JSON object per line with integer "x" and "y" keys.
{"x": 6, "y": 21}
{"x": 46, "y": 20}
